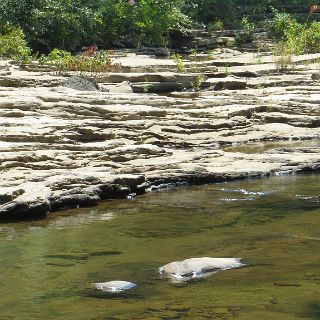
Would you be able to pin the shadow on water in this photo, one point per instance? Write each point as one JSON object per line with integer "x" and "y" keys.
{"x": 83, "y": 255}
{"x": 91, "y": 293}
{"x": 313, "y": 311}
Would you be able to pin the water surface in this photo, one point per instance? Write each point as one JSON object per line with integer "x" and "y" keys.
{"x": 46, "y": 267}
{"x": 260, "y": 147}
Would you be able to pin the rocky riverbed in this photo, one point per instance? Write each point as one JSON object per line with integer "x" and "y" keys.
{"x": 63, "y": 147}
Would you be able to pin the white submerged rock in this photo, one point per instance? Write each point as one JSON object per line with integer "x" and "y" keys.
{"x": 197, "y": 268}
{"x": 114, "y": 286}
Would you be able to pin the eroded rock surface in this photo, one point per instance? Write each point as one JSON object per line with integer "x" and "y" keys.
{"x": 61, "y": 147}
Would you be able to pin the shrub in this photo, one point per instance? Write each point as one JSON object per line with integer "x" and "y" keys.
{"x": 179, "y": 62}
{"x": 294, "y": 36}
{"x": 312, "y": 37}
{"x": 246, "y": 34}
{"x": 13, "y": 44}
{"x": 278, "y": 26}
{"x": 69, "y": 25}
{"x": 283, "y": 56}
{"x": 197, "y": 82}
{"x": 91, "y": 61}
{"x": 215, "y": 26}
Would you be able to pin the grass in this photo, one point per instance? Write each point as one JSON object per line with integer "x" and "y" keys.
{"x": 283, "y": 57}
{"x": 197, "y": 82}
{"x": 179, "y": 62}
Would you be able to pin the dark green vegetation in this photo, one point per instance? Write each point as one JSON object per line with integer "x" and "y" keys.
{"x": 29, "y": 28}
{"x": 70, "y": 25}
{"x": 272, "y": 223}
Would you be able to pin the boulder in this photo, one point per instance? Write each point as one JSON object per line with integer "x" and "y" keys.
{"x": 79, "y": 83}
{"x": 197, "y": 268}
{"x": 315, "y": 76}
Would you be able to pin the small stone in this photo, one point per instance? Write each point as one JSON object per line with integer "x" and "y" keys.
{"x": 115, "y": 286}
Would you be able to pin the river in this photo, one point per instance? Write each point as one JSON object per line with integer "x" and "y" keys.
{"x": 47, "y": 266}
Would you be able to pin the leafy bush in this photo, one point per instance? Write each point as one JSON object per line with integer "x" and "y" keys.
{"x": 179, "y": 62}
{"x": 313, "y": 37}
{"x": 69, "y": 25}
{"x": 91, "y": 61}
{"x": 13, "y": 44}
{"x": 197, "y": 82}
{"x": 283, "y": 56}
{"x": 299, "y": 37}
{"x": 215, "y": 26}
{"x": 279, "y": 24}
{"x": 246, "y": 34}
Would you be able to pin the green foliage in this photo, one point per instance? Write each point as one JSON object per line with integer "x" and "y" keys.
{"x": 197, "y": 82}
{"x": 215, "y": 26}
{"x": 226, "y": 70}
{"x": 279, "y": 24}
{"x": 207, "y": 11}
{"x": 229, "y": 12}
{"x": 283, "y": 56}
{"x": 246, "y": 34}
{"x": 13, "y": 44}
{"x": 62, "y": 61}
{"x": 71, "y": 24}
{"x": 179, "y": 62}
{"x": 153, "y": 18}
{"x": 297, "y": 37}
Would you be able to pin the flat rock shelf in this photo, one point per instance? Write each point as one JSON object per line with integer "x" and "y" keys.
{"x": 61, "y": 147}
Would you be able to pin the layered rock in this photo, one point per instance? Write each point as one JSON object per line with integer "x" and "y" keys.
{"x": 63, "y": 147}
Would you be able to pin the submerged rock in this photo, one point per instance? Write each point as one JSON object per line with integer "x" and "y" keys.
{"x": 197, "y": 268}
{"x": 315, "y": 76}
{"x": 114, "y": 286}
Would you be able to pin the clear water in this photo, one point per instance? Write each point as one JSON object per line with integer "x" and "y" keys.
{"x": 259, "y": 147}
{"x": 46, "y": 267}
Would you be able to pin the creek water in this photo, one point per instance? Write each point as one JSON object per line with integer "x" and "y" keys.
{"x": 46, "y": 266}
{"x": 260, "y": 147}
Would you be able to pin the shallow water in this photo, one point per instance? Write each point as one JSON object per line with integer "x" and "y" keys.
{"x": 46, "y": 267}
{"x": 259, "y": 147}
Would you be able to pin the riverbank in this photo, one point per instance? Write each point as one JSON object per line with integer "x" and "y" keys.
{"x": 63, "y": 147}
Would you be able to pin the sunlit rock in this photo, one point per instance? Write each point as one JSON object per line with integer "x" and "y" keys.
{"x": 114, "y": 286}
{"x": 66, "y": 144}
{"x": 79, "y": 83}
{"x": 197, "y": 268}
